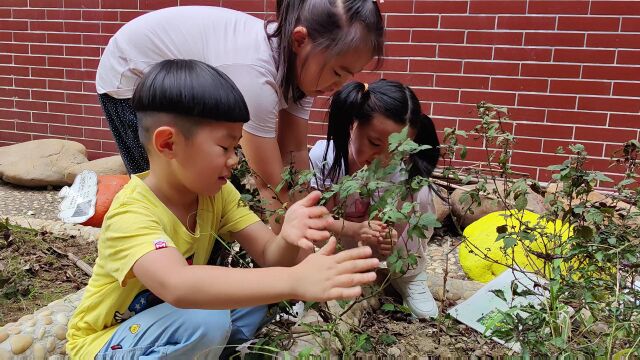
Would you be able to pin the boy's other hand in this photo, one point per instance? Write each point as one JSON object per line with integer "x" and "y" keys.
{"x": 306, "y": 223}
{"x": 323, "y": 276}
{"x": 379, "y": 236}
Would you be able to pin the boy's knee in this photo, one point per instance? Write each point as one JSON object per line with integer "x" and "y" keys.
{"x": 209, "y": 327}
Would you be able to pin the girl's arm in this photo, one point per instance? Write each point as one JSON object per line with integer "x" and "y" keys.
{"x": 320, "y": 277}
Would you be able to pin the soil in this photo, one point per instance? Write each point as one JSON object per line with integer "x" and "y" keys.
{"x": 32, "y": 274}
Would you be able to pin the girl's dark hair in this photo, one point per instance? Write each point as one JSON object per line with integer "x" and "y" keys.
{"x": 193, "y": 90}
{"x": 390, "y": 99}
{"x": 335, "y": 26}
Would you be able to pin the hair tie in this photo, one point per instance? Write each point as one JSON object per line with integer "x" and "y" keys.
{"x": 366, "y": 87}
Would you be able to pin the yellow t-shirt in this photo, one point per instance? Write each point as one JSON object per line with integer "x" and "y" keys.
{"x": 138, "y": 222}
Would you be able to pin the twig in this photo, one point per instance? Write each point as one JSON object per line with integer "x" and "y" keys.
{"x": 78, "y": 262}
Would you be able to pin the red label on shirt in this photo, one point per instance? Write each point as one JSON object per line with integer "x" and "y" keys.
{"x": 160, "y": 244}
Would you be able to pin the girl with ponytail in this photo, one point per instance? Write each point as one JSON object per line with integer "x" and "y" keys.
{"x": 361, "y": 119}
{"x": 312, "y": 48}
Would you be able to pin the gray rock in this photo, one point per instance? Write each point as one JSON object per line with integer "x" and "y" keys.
{"x": 40, "y": 162}
{"x": 112, "y": 165}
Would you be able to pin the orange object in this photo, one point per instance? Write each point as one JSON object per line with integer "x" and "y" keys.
{"x": 108, "y": 187}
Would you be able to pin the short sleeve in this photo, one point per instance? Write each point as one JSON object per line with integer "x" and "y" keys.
{"x": 235, "y": 215}
{"x": 316, "y": 163}
{"x": 128, "y": 233}
{"x": 261, "y": 95}
{"x": 302, "y": 109}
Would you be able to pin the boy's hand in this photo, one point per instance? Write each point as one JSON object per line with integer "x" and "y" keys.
{"x": 378, "y": 236}
{"x": 305, "y": 223}
{"x": 323, "y": 276}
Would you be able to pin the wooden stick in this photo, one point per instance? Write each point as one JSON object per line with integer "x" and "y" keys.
{"x": 79, "y": 263}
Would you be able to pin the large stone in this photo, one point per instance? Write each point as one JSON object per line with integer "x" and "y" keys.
{"x": 466, "y": 212}
{"x": 442, "y": 207}
{"x": 112, "y": 165}
{"x": 40, "y": 162}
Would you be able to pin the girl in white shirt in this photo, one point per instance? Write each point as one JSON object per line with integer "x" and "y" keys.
{"x": 361, "y": 119}
{"x": 312, "y": 48}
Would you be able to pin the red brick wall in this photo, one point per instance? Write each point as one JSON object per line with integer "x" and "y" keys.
{"x": 568, "y": 70}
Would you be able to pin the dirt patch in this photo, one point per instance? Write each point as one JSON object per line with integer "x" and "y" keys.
{"x": 33, "y": 274}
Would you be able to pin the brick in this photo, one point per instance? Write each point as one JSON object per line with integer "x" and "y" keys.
{"x": 64, "y": 38}
{"x": 30, "y": 37}
{"x": 30, "y": 60}
{"x": 29, "y": 127}
{"x": 14, "y": 25}
{"x": 15, "y": 115}
{"x": 246, "y": 6}
{"x": 47, "y": 118}
{"x": 14, "y": 48}
{"x": 412, "y": 21}
{"x": 609, "y": 104}
{"x": 63, "y": 130}
{"x": 156, "y": 4}
{"x": 522, "y": 54}
{"x": 63, "y": 14}
{"x": 45, "y": 4}
{"x": 90, "y": 63}
{"x": 497, "y": 7}
{"x": 128, "y": 15}
{"x": 14, "y": 137}
{"x": 6, "y": 36}
{"x": 440, "y": 7}
{"x": 14, "y": 3}
{"x": 27, "y": 13}
{"x": 410, "y": 79}
{"x": 614, "y": 41}
{"x": 85, "y": 121}
{"x": 90, "y": 144}
{"x": 81, "y": 98}
{"x": 410, "y": 50}
{"x": 322, "y": 102}
{"x": 544, "y": 38}
{"x": 63, "y": 108}
{"x": 631, "y": 89}
{"x": 92, "y": 110}
{"x": 519, "y": 84}
{"x": 110, "y": 28}
{"x": 98, "y": 134}
{"x": 610, "y": 72}
{"x": 462, "y": 82}
{"x": 99, "y": 15}
{"x": 588, "y": 56}
{"x": 435, "y": 66}
{"x": 492, "y": 97}
{"x": 550, "y": 146}
{"x": 576, "y": 117}
{"x": 466, "y": 22}
{"x": 81, "y": 4}
{"x": 442, "y": 123}
{"x": 558, "y": 7}
{"x": 82, "y": 27}
{"x": 7, "y": 103}
{"x": 395, "y": 35}
{"x": 9, "y": 125}
{"x": 630, "y": 24}
{"x": 64, "y": 62}
{"x": 15, "y": 93}
{"x": 83, "y": 75}
{"x": 95, "y": 39}
{"x": 526, "y": 22}
{"x": 604, "y": 134}
{"x": 46, "y": 95}
{"x": 39, "y": 49}
{"x": 395, "y": 65}
{"x": 491, "y": 68}
{"x": 465, "y": 52}
{"x": 527, "y": 144}
{"x": 31, "y": 105}
{"x": 453, "y": 110}
{"x": 438, "y": 36}
{"x": 118, "y": 4}
{"x": 439, "y": 95}
{"x": 64, "y": 85}
{"x": 494, "y": 37}
{"x": 30, "y": 83}
{"x": 545, "y": 131}
{"x": 82, "y": 51}
{"x": 547, "y": 101}
{"x": 89, "y": 86}
{"x": 46, "y": 26}
{"x": 7, "y": 81}
{"x": 580, "y": 87}
{"x": 624, "y": 121}
{"x": 6, "y": 59}
{"x": 550, "y": 70}
{"x": 588, "y": 23}
{"x": 615, "y": 8}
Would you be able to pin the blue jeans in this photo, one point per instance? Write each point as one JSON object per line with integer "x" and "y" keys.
{"x": 166, "y": 332}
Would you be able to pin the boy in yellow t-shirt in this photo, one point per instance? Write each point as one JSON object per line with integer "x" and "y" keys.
{"x": 152, "y": 295}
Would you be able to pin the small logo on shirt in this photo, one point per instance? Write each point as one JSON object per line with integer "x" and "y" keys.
{"x": 116, "y": 347}
{"x": 134, "y": 328}
{"x": 160, "y": 244}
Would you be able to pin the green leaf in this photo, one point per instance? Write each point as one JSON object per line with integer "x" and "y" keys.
{"x": 388, "y": 307}
{"x": 463, "y": 153}
{"x": 521, "y": 202}
{"x": 388, "y": 339}
{"x": 500, "y": 294}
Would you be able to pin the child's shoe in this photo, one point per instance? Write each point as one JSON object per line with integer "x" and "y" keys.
{"x": 416, "y": 295}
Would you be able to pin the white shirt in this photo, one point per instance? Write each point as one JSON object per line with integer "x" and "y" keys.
{"x": 229, "y": 40}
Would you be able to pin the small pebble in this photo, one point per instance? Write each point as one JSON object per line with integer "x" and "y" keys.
{"x": 39, "y": 352}
{"x": 51, "y": 344}
{"x": 20, "y": 343}
{"x": 47, "y": 320}
{"x": 393, "y": 351}
{"x": 60, "y": 332}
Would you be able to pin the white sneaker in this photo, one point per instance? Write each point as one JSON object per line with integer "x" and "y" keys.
{"x": 416, "y": 295}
